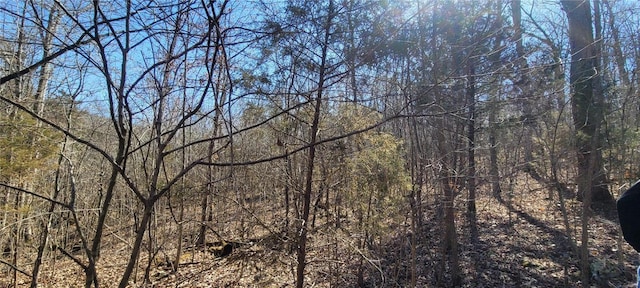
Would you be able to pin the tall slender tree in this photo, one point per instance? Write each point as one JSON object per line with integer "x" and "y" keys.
{"x": 326, "y": 32}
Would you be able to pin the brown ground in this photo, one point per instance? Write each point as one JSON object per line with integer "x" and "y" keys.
{"x": 522, "y": 242}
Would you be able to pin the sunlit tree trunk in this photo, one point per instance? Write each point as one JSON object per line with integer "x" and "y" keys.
{"x": 45, "y": 75}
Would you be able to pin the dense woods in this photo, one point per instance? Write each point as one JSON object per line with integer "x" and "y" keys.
{"x": 336, "y": 143}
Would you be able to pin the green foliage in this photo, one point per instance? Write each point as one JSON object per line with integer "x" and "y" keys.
{"x": 25, "y": 145}
{"x": 378, "y": 178}
{"x": 376, "y": 159}
{"x": 374, "y": 169}
{"x": 378, "y": 163}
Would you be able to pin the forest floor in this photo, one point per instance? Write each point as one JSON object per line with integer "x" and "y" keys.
{"x": 522, "y": 241}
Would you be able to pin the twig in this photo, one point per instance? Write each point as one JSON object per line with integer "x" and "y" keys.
{"x": 15, "y": 268}
{"x": 260, "y": 222}
{"x": 66, "y": 253}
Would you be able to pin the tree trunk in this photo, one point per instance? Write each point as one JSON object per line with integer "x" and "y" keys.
{"x": 522, "y": 81}
{"x": 587, "y": 103}
{"x": 146, "y": 217}
{"x": 617, "y": 48}
{"x": 471, "y": 148}
{"x": 302, "y": 240}
{"x": 46, "y": 70}
{"x": 45, "y": 75}
{"x": 494, "y": 98}
{"x": 94, "y": 253}
{"x": 204, "y": 203}
{"x": 46, "y": 225}
{"x": 176, "y": 262}
{"x": 287, "y": 189}
{"x": 449, "y": 246}
{"x": 205, "y": 209}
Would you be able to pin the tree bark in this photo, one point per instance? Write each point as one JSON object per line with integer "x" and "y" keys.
{"x": 45, "y": 75}
{"x": 471, "y": 138}
{"x": 586, "y": 101}
{"x": 137, "y": 244}
{"x": 617, "y": 48}
{"x": 302, "y": 240}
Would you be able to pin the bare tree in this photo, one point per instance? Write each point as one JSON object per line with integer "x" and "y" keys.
{"x": 313, "y": 133}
